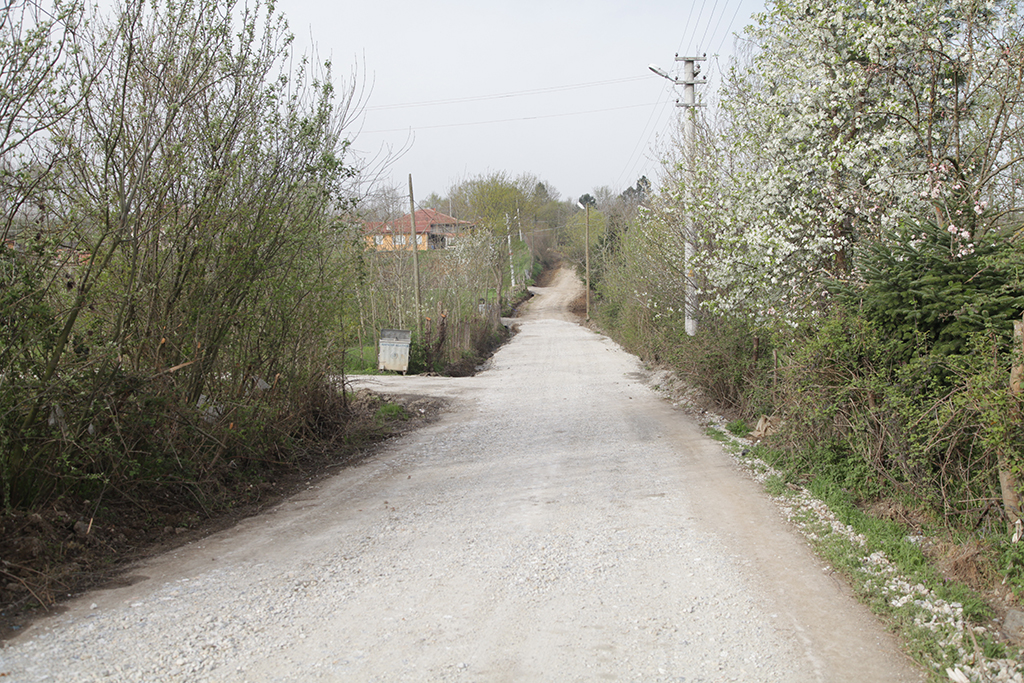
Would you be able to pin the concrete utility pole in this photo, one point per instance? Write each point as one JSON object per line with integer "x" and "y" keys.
{"x": 511, "y": 266}
{"x": 586, "y": 242}
{"x": 415, "y": 260}
{"x": 689, "y": 80}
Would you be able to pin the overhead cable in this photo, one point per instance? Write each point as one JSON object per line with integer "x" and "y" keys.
{"x": 499, "y": 96}
{"x": 521, "y": 118}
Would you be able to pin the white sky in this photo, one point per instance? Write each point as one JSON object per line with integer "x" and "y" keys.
{"x": 558, "y": 88}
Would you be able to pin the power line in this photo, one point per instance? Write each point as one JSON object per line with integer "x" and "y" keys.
{"x": 522, "y": 118}
{"x": 644, "y": 160}
{"x": 520, "y": 93}
{"x": 704, "y": 38}
{"x": 644, "y": 140}
{"x": 696, "y": 23}
{"x": 728, "y": 31}
{"x": 645, "y": 137}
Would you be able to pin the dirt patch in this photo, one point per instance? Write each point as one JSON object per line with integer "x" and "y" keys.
{"x": 50, "y": 555}
{"x": 547, "y": 277}
{"x": 964, "y": 562}
{"x": 913, "y": 520}
{"x": 519, "y": 301}
{"x": 970, "y": 563}
{"x": 464, "y": 367}
{"x": 683, "y": 395}
{"x": 578, "y": 306}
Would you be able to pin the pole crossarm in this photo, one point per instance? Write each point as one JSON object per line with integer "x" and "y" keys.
{"x": 691, "y": 69}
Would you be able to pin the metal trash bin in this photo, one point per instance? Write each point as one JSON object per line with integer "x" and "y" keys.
{"x": 394, "y": 350}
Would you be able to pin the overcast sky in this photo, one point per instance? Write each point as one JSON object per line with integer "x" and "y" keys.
{"x": 558, "y": 89}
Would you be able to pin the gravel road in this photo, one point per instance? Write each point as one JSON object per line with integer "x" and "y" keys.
{"x": 560, "y": 522}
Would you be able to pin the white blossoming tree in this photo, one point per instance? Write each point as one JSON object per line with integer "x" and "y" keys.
{"x": 860, "y": 182}
{"x": 850, "y": 119}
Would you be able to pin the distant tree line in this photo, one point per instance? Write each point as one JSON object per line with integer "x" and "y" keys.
{"x": 507, "y": 232}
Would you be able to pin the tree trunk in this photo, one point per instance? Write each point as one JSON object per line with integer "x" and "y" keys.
{"x": 1007, "y": 481}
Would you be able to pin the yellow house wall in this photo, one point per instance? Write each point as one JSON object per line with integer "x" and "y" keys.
{"x": 388, "y": 244}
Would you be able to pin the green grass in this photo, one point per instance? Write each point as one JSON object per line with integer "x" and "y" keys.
{"x": 739, "y": 427}
{"x": 891, "y": 538}
{"x": 828, "y": 480}
{"x": 775, "y": 485}
{"x": 390, "y": 412}
{"x": 834, "y": 481}
{"x": 921, "y": 643}
{"x": 361, "y": 360}
{"x": 716, "y": 434}
{"x": 1011, "y": 564}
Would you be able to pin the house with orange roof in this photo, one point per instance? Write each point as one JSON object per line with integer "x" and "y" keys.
{"x": 434, "y": 230}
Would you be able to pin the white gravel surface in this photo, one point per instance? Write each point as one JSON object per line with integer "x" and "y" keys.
{"x": 561, "y": 522}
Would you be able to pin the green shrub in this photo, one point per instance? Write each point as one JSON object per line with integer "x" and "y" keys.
{"x": 1011, "y": 565}
{"x": 738, "y": 427}
{"x": 931, "y": 291}
{"x": 730, "y": 361}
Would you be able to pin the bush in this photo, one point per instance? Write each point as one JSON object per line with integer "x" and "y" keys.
{"x": 731, "y": 362}
{"x": 931, "y": 292}
{"x": 931, "y": 426}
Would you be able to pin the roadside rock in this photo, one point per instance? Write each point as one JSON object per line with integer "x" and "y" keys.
{"x": 1013, "y": 625}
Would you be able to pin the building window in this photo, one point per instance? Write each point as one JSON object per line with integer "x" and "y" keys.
{"x": 378, "y": 240}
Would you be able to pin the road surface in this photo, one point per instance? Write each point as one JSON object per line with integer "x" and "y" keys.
{"x": 560, "y": 522}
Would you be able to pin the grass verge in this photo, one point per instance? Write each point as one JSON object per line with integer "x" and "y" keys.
{"x": 943, "y": 624}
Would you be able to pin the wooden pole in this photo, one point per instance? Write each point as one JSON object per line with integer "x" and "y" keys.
{"x": 415, "y": 261}
{"x": 586, "y": 240}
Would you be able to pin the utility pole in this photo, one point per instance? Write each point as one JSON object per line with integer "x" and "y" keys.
{"x": 586, "y": 242}
{"x": 690, "y": 71}
{"x": 586, "y": 239}
{"x": 689, "y": 80}
{"x": 511, "y": 265}
{"x": 415, "y": 260}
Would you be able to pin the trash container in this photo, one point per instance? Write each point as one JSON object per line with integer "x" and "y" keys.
{"x": 394, "y": 350}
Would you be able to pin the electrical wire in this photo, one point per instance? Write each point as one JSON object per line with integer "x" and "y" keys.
{"x": 648, "y": 134}
{"x": 646, "y": 139}
{"x": 695, "y": 24}
{"x": 728, "y": 31}
{"x": 704, "y": 38}
{"x": 522, "y": 118}
{"x": 521, "y": 93}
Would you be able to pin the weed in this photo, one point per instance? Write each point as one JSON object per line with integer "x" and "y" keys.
{"x": 1011, "y": 564}
{"x": 775, "y": 486}
{"x": 739, "y": 427}
{"x": 390, "y": 412}
{"x": 361, "y": 360}
{"x": 716, "y": 434}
